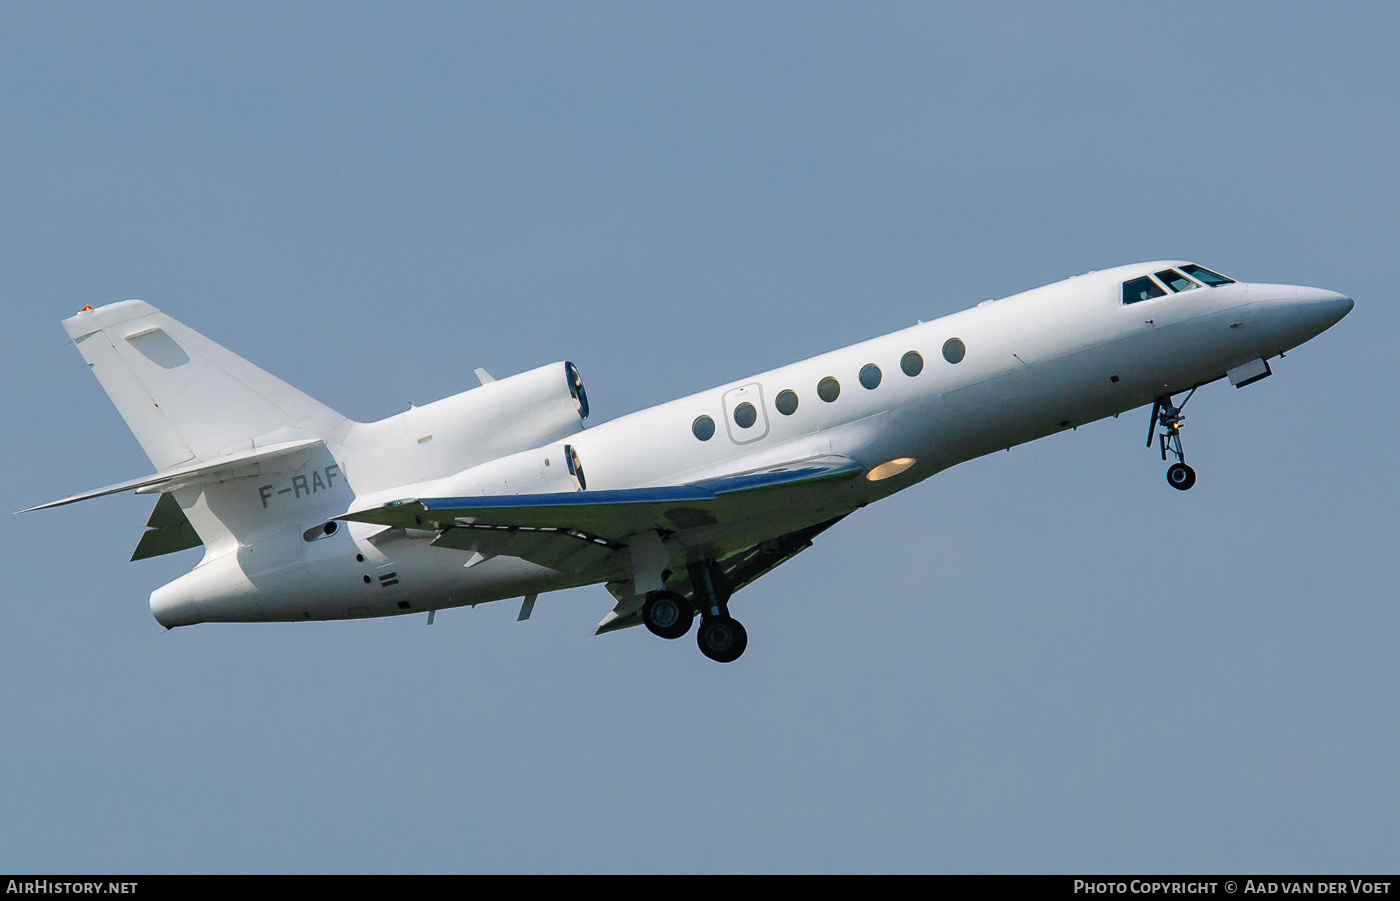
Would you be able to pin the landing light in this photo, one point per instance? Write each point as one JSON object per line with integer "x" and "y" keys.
{"x": 892, "y": 468}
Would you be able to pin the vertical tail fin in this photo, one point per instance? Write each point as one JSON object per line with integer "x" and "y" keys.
{"x": 184, "y": 397}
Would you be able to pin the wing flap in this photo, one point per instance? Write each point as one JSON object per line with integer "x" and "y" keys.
{"x": 557, "y": 549}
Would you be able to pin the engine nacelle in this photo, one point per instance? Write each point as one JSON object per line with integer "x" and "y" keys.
{"x": 540, "y": 470}
{"x": 531, "y": 409}
{"x": 503, "y": 417}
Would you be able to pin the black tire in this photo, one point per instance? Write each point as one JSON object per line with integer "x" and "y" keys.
{"x": 722, "y": 639}
{"x": 667, "y": 614}
{"x": 1180, "y": 476}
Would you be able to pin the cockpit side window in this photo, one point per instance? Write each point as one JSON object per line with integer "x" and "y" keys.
{"x": 1141, "y": 289}
{"x": 1202, "y": 274}
{"x": 1176, "y": 281}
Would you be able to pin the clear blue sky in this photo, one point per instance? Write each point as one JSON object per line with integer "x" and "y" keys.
{"x": 1044, "y": 660}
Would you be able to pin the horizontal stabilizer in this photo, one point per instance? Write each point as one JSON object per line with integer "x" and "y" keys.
{"x": 615, "y": 515}
{"x": 219, "y": 469}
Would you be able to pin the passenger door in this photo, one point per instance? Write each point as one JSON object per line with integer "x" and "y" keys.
{"x": 745, "y": 414}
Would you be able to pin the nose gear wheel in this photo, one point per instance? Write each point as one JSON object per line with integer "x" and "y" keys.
{"x": 1180, "y": 476}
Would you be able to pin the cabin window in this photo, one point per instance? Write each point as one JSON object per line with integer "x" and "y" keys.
{"x": 1202, "y": 274}
{"x": 745, "y": 415}
{"x": 828, "y": 389}
{"x": 1176, "y": 281}
{"x": 870, "y": 376}
{"x": 1140, "y": 289}
{"x": 954, "y": 350}
{"x": 912, "y": 363}
{"x": 786, "y": 402}
{"x": 703, "y": 427}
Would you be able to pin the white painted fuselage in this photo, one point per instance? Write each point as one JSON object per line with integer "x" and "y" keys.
{"x": 1016, "y": 369}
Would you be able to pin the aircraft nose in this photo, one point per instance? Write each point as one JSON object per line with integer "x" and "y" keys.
{"x": 1323, "y": 309}
{"x": 1292, "y": 314}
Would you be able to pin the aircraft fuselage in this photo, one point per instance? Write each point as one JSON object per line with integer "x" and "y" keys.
{"x": 903, "y": 406}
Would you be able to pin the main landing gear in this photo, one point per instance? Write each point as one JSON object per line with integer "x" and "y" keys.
{"x": 1169, "y": 417}
{"x": 721, "y": 638}
{"x": 669, "y": 615}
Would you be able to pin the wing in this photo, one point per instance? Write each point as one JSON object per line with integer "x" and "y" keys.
{"x": 587, "y": 533}
{"x": 610, "y": 517}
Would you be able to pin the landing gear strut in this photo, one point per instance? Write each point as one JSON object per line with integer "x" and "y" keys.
{"x": 1169, "y": 417}
{"x": 721, "y": 637}
{"x": 670, "y": 614}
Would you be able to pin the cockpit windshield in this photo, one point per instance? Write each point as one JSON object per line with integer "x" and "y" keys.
{"x": 1202, "y": 274}
{"x": 1141, "y": 289}
{"x": 1176, "y": 281}
{"x": 1147, "y": 287}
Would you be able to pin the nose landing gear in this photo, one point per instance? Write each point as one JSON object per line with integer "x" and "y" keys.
{"x": 1169, "y": 417}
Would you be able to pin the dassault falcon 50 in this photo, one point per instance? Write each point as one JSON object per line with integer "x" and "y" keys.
{"x": 500, "y": 492}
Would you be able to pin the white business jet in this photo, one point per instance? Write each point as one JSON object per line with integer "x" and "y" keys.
{"x": 499, "y": 492}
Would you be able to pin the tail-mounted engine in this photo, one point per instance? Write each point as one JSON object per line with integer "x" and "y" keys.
{"x": 502, "y": 417}
{"x": 541, "y": 470}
